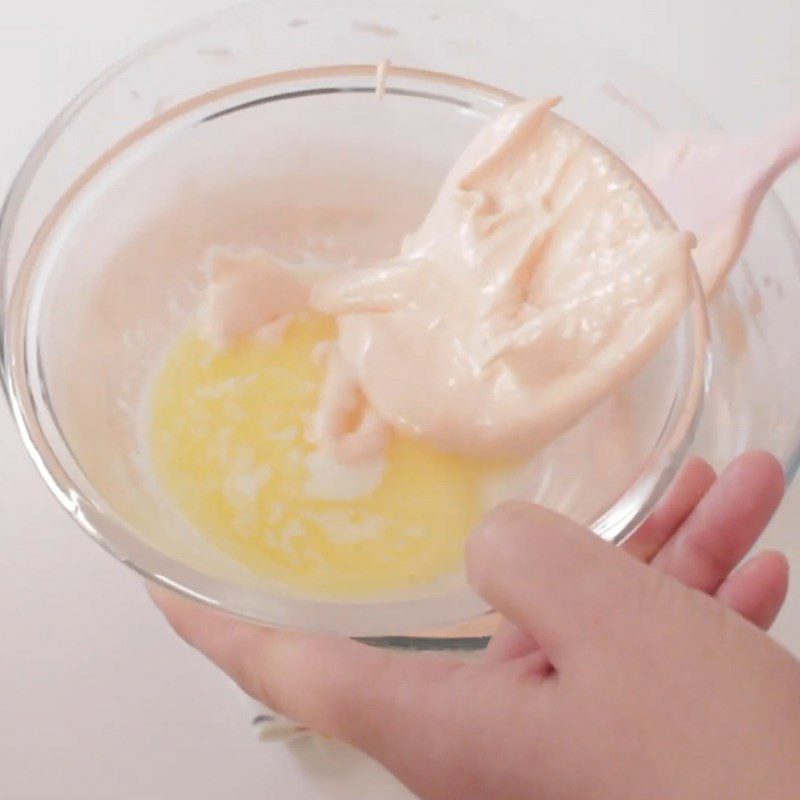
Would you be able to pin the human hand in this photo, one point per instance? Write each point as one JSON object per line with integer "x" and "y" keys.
{"x": 698, "y": 534}
{"x": 611, "y": 680}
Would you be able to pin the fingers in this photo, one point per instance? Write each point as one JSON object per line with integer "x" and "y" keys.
{"x": 698, "y": 534}
{"x": 357, "y": 693}
{"x": 757, "y": 590}
{"x": 552, "y": 578}
{"x": 693, "y": 481}
{"x": 723, "y": 526}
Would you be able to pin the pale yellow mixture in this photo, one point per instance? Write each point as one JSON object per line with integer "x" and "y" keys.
{"x": 228, "y": 443}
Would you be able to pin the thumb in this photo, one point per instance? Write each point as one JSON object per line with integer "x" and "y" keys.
{"x": 554, "y": 579}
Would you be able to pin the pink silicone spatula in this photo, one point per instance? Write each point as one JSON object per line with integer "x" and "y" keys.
{"x": 714, "y": 189}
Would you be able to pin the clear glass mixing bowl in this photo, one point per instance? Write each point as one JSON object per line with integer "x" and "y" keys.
{"x": 206, "y": 135}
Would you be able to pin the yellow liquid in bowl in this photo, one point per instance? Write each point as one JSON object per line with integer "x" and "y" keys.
{"x": 227, "y": 439}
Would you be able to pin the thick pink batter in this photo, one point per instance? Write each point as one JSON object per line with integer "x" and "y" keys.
{"x": 543, "y": 276}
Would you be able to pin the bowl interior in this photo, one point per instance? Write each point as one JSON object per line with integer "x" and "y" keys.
{"x": 114, "y": 276}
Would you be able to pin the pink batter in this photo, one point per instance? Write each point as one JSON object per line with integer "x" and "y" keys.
{"x": 247, "y": 294}
{"x": 543, "y": 276}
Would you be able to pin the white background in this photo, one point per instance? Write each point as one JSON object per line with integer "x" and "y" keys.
{"x": 97, "y": 698}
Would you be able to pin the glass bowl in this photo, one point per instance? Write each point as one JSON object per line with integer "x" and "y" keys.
{"x": 171, "y": 150}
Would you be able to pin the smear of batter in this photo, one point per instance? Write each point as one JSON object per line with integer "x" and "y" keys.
{"x": 376, "y": 29}
{"x": 381, "y": 73}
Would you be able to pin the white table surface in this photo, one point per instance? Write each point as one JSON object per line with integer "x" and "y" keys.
{"x": 97, "y": 698}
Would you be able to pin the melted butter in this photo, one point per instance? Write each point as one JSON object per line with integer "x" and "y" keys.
{"x": 228, "y": 442}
